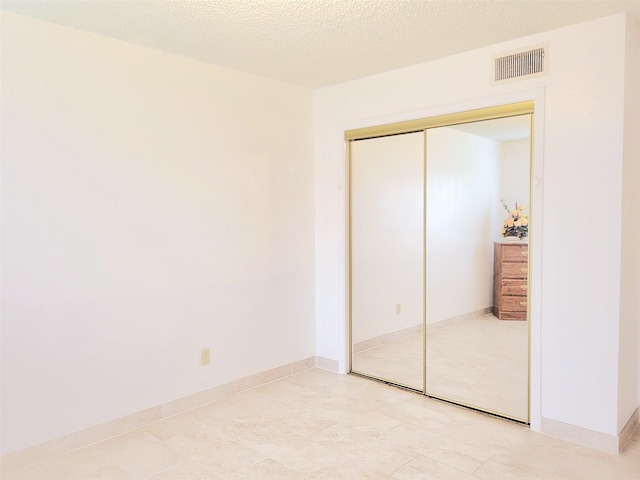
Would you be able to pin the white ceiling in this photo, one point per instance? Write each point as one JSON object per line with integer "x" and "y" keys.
{"x": 315, "y": 43}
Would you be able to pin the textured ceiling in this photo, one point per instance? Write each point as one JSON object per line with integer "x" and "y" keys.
{"x": 316, "y": 43}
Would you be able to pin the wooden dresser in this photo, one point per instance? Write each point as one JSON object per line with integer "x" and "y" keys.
{"x": 510, "y": 280}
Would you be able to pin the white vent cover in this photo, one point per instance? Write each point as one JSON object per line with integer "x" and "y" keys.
{"x": 521, "y": 64}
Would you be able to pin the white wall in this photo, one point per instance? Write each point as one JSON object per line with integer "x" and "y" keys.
{"x": 152, "y": 206}
{"x": 629, "y": 368}
{"x": 576, "y": 318}
{"x": 463, "y": 173}
{"x": 514, "y": 181}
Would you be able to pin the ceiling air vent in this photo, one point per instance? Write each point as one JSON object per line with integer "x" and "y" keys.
{"x": 521, "y": 64}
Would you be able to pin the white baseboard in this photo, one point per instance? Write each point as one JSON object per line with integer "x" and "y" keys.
{"x": 415, "y": 329}
{"x": 591, "y": 438}
{"x": 447, "y": 322}
{"x": 386, "y": 338}
{"x": 629, "y": 429}
{"x": 327, "y": 364}
{"x": 38, "y": 453}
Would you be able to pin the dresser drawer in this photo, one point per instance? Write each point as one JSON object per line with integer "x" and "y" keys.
{"x": 510, "y": 280}
{"x": 514, "y": 287}
{"x": 515, "y": 253}
{"x": 513, "y": 304}
{"x": 515, "y": 270}
{"x": 504, "y": 315}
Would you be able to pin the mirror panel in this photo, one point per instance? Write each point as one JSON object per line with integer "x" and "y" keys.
{"x": 472, "y": 357}
{"x": 387, "y": 258}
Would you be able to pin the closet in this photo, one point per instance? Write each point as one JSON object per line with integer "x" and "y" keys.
{"x": 426, "y": 216}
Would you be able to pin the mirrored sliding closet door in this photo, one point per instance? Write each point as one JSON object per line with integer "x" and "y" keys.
{"x": 473, "y": 357}
{"x": 387, "y": 257}
{"x": 439, "y": 257}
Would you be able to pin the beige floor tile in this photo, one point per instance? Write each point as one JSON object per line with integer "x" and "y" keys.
{"x": 140, "y": 454}
{"x": 350, "y": 386}
{"x": 370, "y": 389}
{"x": 507, "y": 467}
{"x": 186, "y": 471}
{"x": 218, "y": 414}
{"x": 268, "y": 433}
{"x": 84, "y": 464}
{"x": 485, "y": 431}
{"x": 543, "y": 452}
{"x": 455, "y": 453}
{"x": 215, "y": 451}
{"x": 364, "y": 448}
{"x": 579, "y": 466}
{"x": 534, "y": 456}
{"x": 311, "y": 378}
{"x": 305, "y": 457}
{"x": 299, "y": 398}
{"x": 284, "y": 390}
{"x": 269, "y": 469}
{"x": 366, "y": 421}
{"x": 237, "y": 429}
{"x": 345, "y": 468}
{"x": 288, "y": 448}
{"x": 428, "y": 414}
{"x": 356, "y": 397}
{"x": 422, "y": 468}
{"x": 257, "y": 403}
{"x": 173, "y": 426}
{"x": 308, "y": 424}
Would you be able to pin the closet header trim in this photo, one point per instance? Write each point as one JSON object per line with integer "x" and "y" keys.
{"x": 409, "y": 126}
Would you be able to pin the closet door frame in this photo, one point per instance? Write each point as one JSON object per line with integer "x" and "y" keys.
{"x": 424, "y": 124}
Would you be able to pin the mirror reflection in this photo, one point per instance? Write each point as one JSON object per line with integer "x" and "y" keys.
{"x": 387, "y": 257}
{"x": 467, "y": 297}
{"x": 473, "y": 356}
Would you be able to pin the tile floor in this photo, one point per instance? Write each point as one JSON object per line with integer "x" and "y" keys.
{"x": 479, "y": 361}
{"x": 320, "y": 425}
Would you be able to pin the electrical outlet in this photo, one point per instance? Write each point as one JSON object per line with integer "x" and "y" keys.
{"x": 398, "y": 309}
{"x": 205, "y": 357}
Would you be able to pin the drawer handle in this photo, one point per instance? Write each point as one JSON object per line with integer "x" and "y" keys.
{"x": 524, "y": 253}
{"x": 524, "y": 269}
{"x": 523, "y": 287}
{"x": 524, "y": 303}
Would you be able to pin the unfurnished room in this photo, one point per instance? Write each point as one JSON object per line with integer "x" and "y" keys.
{"x": 320, "y": 239}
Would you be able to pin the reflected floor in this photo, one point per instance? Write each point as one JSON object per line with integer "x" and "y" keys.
{"x": 479, "y": 361}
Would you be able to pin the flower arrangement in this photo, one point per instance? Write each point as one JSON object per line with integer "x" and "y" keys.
{"x": 516, "y": 224}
